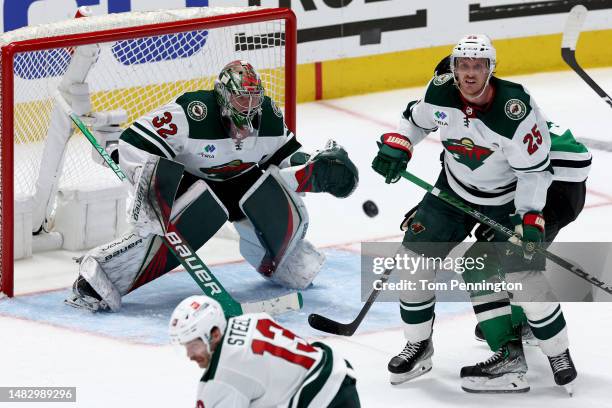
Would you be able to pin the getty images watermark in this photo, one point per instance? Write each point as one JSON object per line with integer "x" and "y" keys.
{"x": 456, "y": 271}
{"x": 423, "y": 265}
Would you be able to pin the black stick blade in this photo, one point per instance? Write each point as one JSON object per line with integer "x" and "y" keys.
{"x": 326, "y": 325}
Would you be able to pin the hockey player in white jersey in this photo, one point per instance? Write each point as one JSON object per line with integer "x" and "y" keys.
{"x": 223, "y": 154}
{"x": 497, "y": 160}
{"x": 252, "y": 361}
{"x": 500, "y": 321}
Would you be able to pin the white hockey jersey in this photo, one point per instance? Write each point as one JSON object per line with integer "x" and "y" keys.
{"x": 261, "y": 364}
{"x": 492, "y": 155}
{"x": 190, "y": 131}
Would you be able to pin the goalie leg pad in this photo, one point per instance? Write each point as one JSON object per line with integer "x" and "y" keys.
{"x": 297, "y": 270}
{"x": 93, "y": 273}
{"x": 132, "y": 261}
{"x": 154, "y": 194}
{"x": 279, "y": 221}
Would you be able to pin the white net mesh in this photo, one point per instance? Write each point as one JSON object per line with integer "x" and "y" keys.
{"x": 136, "y": 75}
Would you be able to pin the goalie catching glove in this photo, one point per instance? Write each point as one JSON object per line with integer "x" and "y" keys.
{"x": 394, "y": 153}
{"x": 328, "y": 171}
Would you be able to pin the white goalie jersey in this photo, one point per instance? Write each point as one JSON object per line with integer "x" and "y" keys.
{"x": 190, "y": 130}
{"x": 261, "y": 364}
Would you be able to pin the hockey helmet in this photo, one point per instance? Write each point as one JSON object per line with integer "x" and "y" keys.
{"x": 239, "y": 92}
{"x": 443, "y": 66}
{"x": 195, "y": 317}
{"x": 474, "y": 46}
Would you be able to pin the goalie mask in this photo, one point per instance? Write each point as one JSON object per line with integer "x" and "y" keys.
{"x": 195, "y": 317}
{"x": 240, "y": 95}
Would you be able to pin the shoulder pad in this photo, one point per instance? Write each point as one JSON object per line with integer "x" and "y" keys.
{"x": 441, "y": 91}
{"x": 203, "y": 114}
{"x": 272, "y": 122}
{"x": 511, "y": 105}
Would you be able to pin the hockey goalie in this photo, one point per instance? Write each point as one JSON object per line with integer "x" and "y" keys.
{"x": 208, "y": 157}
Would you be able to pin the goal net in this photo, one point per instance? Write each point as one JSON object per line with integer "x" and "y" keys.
{"x": 137, "y": 62}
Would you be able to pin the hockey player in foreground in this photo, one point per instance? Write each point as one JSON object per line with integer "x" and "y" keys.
{"x": 496, "y": 160}
{"x": 236, "y": 160}
{"x": 251, "y": 360}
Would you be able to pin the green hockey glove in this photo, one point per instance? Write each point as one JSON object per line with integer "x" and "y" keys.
{"x": 394, "y": 153}
{"x": 531, "y": 228}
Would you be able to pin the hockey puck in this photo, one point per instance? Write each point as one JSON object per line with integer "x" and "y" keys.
{"x": 370, "y": 208}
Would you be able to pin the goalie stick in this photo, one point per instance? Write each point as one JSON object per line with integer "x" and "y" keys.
{"x": 347, "y": 329}
{"x": 188, "y": 258}
{"x": 573, "y": 25}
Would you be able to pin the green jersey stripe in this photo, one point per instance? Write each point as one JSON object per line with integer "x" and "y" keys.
{"x": 153, "y": 138}
{"x": 214, "y": 362}
{"x": 135, "y": 139}
{"x": 417, "y": 305}
{"x": 316, "y": 380}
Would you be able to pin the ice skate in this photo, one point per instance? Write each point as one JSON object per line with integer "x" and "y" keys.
{"x": 413, "y": 361}
{"x": 85, "y": 297}
{"x": 564, "y": 370}
{"x": 503, "y": 372}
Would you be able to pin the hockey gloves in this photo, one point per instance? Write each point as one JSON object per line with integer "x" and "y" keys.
{"x": 329, "y": 171}
{"x": 394, "y": 153}
{"x": 531, "y": 228}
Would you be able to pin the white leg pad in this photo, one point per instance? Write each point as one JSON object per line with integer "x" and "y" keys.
{"x": 296, "y": 270}
{"x": 92, "y": 272}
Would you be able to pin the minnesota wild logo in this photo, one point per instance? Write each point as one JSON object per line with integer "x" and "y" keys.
{"x": 466, "y": 152}
{"x": 227, "y": 170}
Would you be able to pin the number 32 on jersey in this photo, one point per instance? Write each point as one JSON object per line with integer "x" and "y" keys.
{"x": 160, "y": 123}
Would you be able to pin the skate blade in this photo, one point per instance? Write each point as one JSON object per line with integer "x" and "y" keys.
{"x": 507, "y": 383}
{"x": 569, "y": 388}
{"x": 421, "y": 368}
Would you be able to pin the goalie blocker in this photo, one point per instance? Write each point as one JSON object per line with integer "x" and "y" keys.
{"x": 271, "y": 241}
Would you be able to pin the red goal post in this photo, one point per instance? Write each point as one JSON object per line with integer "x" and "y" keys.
{"x": 146, "y": 55}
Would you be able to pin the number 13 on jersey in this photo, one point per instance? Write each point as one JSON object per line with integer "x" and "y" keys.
{"x": 284, "y": 344}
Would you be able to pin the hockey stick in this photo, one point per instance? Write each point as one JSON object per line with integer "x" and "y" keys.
{"x": 188, "y": 258}
{"x": 328, "y": 325}
{"x": 571, "y": 33}
{"x": 512, "y": 236}
{"x": 347, "y": 329}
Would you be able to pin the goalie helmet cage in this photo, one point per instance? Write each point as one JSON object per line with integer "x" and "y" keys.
{"x": 146, "y": 59}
